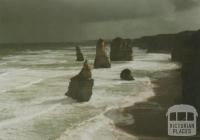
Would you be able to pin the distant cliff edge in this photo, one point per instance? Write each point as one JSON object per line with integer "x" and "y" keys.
{"x": 184, "y": 48}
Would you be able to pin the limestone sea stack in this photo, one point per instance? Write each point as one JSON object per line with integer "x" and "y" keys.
{"x": 79, "y": 54}
{"x": 80, "y": 86}
{"x": 126, "y": 75}
{"x": 101, "y": 60}
{"x": 121, "y": 50}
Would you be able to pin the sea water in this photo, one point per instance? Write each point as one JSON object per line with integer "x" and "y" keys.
{"x": 33, "y": 84}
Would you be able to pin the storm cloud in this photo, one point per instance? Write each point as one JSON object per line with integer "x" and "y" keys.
{"x": 181, "y": 5}
{"x": 68, "y": 20}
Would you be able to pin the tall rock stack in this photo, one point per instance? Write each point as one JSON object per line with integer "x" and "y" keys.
{"x": 101, "y": 60}
{"x": 79, "y": 54}
{"x": 80, "y": 86}
{"x": 121, "y": 50}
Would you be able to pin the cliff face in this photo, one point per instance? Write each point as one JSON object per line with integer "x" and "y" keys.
{"x": 121, "y": 50}
{"x": 164, "y": 42}
{"x": 184, "y": 48}
{"x": 157, "y": 43}
{"x": 191, "y": 70}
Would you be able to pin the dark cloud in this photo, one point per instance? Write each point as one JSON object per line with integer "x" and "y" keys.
{"x": 65, "y": 20}
{"x": 105, "y": 10}
{"x": 182, "y": 5}
{"x": 37, "y": 11}
{"x": 79, "y": 10}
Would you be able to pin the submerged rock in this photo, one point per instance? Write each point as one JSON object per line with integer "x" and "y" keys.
{"x": 126, "y": 75}
{"x": 101, "y": 60}
{"x": 79, "y": 54}
{"x": 121, "y": 50}
{"x": 80, "y": 86}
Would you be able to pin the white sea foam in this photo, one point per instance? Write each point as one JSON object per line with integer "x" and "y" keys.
{"x": 30, "y": 84}
{"x": 40, "y": 110}
{"x": 97, "y": 128}
{"x": 4, "y": 74}
{"x": 4, "y": 63}
{"x": 28, "y": 115}
{"x": 25, "y": 85}
{"x": 102, "y": 126}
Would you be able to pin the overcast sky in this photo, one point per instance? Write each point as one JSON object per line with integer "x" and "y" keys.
{"x": 75, "y": 20}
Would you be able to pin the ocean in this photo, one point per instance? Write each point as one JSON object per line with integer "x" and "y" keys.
{"x": 33, "y": 105}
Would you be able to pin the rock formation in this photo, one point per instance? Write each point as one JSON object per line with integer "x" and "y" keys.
{"x": 80, "y": 86}
{"x": 191, "y": 71}
{"x": 121, "y": 50}
{"x": 163, "y": 43}
{"x": 79, "y": 54}
{"x": 101, "y": 60}
{"x": 185, "y": 49}
{"x": 126, "y": 75}
{"x": 188, "y": 54}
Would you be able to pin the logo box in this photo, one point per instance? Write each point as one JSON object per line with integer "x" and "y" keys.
{"x": 182, "y": 120}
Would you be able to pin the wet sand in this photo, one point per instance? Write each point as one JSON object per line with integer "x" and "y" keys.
{"x": 150, "y": 122}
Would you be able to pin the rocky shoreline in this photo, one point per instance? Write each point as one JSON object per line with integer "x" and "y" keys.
{"x": 185, "y": 49}
{"x": 180, "y": 87}
{"x": 150, "y": 122}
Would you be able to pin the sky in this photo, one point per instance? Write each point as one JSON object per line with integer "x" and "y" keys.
{"x": 77, "y": 20}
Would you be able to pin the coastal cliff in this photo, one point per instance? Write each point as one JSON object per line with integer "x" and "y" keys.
{"x": 185, "y": 49}
{"x": 164, "y": 42}
{"x": 183, "y": 86}
{"x": 191, "y": 71}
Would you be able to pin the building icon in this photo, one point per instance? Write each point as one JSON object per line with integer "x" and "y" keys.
{"x": 182, "y": 120}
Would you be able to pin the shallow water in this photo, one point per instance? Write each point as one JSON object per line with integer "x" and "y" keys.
{"x": 33, "y": 105}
